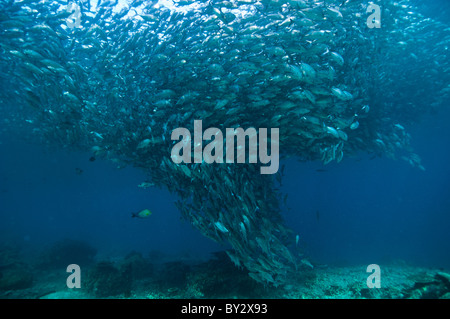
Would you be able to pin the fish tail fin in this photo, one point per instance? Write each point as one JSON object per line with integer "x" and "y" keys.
{"x": 133, "y": 215}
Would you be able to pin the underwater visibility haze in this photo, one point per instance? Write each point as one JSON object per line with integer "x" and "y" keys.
{"x": 223, "y": 149}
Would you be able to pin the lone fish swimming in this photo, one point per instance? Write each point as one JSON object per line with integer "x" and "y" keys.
{"x": 142, "y": 214}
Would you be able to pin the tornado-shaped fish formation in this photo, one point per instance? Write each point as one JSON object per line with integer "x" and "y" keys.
{"x": 124, "y": 79}
{"x": 236, "y": 204}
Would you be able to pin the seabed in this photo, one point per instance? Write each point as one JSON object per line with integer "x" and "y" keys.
{"x": 135, "y": 277}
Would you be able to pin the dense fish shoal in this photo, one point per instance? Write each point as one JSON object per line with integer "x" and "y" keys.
{"x": 117, "y": 79}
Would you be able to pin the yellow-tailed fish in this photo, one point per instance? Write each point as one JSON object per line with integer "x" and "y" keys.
{"x": 142, "y": 214}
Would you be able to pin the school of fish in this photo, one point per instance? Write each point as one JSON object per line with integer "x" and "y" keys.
{"x": 118, "y": 78}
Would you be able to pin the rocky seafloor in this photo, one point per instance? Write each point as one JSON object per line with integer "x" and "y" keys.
{"x": 153, "y": 276}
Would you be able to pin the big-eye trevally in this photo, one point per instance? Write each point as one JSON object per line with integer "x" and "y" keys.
{"x": 120, "y": 82}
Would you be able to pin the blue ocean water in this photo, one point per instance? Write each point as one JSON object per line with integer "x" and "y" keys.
{"x": 363, "y": 210}
{"x": 370, "y": 210}
{"x": 378, "y": 210}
